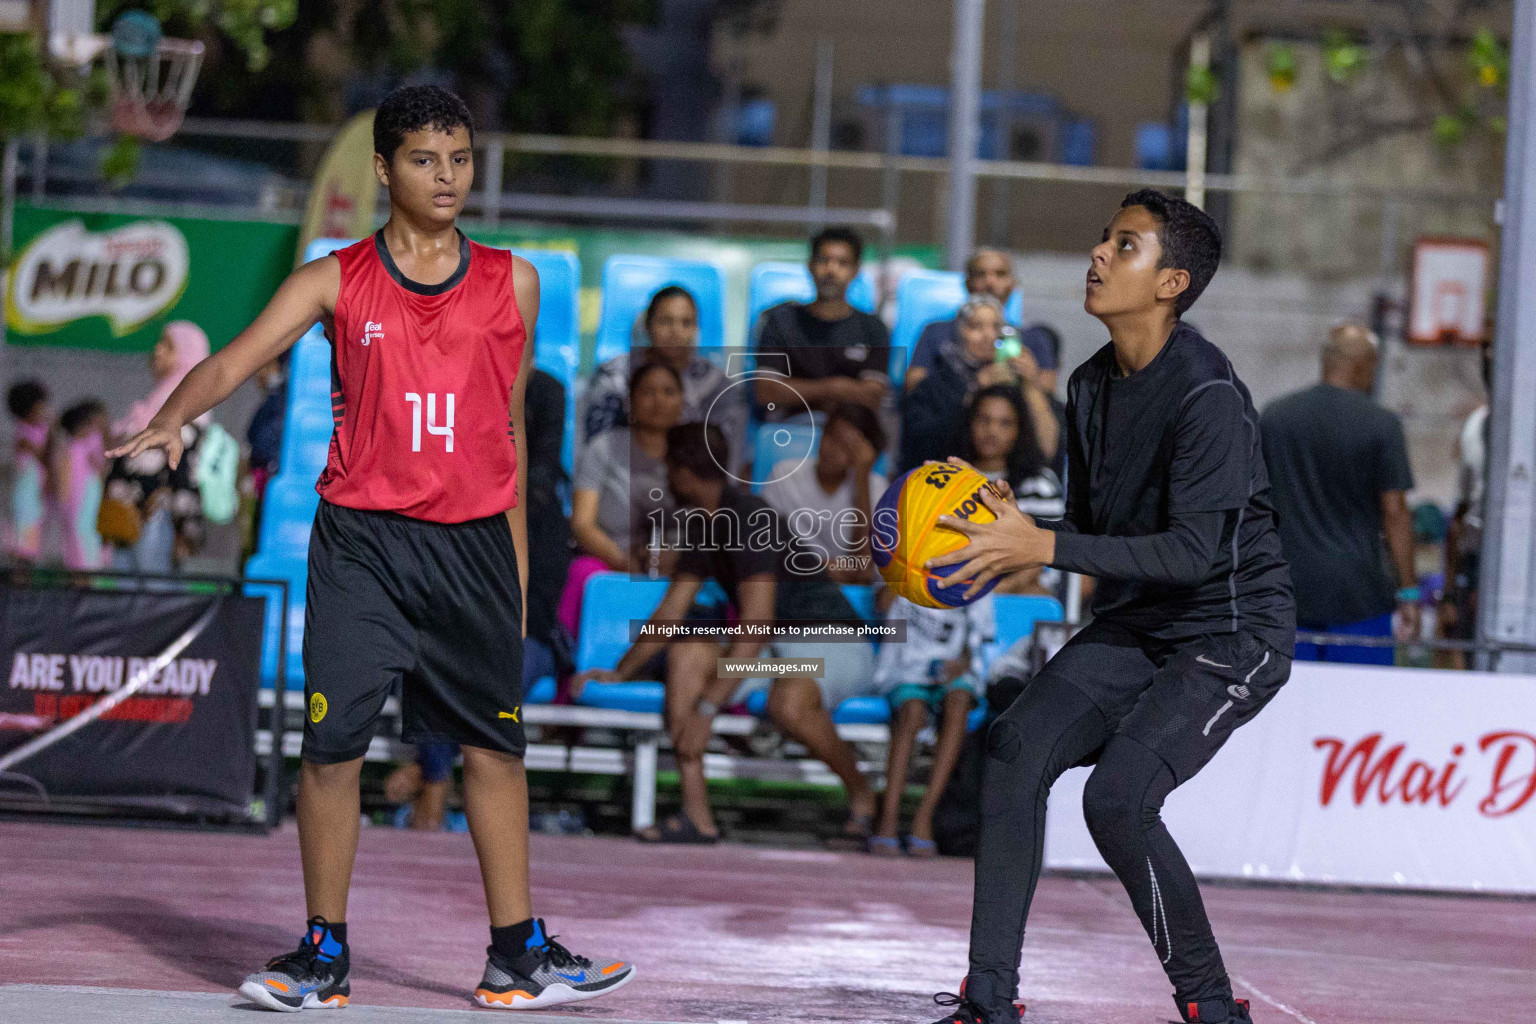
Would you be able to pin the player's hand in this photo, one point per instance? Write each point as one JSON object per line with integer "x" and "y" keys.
{"x": 592, "y": 675}
{"x": 993, "y": 374}
{"x": 159, "y": 434}
{"x": 1010, "y": 544}
{"x": 862, "y": 455}
{"x": 1409, "y": 616}
{"x": 1025, "y": 367}
{"x": 871, "y": 390}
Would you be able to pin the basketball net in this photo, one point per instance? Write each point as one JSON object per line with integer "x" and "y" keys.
{"x": 150, "y": 94}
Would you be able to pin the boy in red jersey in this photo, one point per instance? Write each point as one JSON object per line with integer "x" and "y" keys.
{"x": 419, "y": 550}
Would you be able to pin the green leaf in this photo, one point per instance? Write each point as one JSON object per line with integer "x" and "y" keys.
{"x": 1343, "y": 58}
{"x": 1449, "y": 130}
{"x": 1201, "y": 86}
{"x": 121, "y": 162}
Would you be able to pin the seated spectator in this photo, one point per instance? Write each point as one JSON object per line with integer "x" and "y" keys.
{"x": 31, "y": 504}
{"x": 547, "y": 647}
{"x": 671, "y": 325}
{"x": 265, "y": 432}
{"x": 999, "y": 443}
{"x": 79, "y": 466}
{"x": 989, "y": 272}
{"x": 938, "y": 672}
{"x": 933, "y": 427}
{"x": 828, "y": 503}
{"x": 620, "y": 486}
{"x": 832, "y": 352}
{"x": 738, "y": 541}
{"x": 153, "y": 514}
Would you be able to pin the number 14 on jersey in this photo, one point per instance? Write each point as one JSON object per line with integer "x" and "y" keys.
{"x": 443, "y": 430}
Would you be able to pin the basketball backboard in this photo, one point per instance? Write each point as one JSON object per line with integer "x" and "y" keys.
{"x": 1448, "y": 296}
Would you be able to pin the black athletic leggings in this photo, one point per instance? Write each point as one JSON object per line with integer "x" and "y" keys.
{"x": 1050, "y": 728}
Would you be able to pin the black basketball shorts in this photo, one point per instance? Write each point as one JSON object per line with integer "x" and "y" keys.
{"x": 436, "y": 606}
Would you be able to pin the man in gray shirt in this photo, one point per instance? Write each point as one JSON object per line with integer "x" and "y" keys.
{"x": 1338, "y": 463}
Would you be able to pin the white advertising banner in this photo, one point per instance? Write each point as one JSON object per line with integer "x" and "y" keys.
{"x": 1357, "y": 775}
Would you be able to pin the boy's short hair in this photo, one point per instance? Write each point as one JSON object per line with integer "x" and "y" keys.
{"x": 79, "y": 414}
{"x": 1190, "y": 239}
{"x": 412, "y": 108}
{"x": 23, "y": 396}
{"x": 847, "y": 236}
{"x": 700, "y": 448}
{"x": 861, "y": 418}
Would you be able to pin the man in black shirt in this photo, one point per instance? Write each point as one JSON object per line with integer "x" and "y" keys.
{"x": 1194, "y": 623}
{"x": 739, "y": 541}
{"x": 833, "y": 352}
{"x": 1340, "y": 468}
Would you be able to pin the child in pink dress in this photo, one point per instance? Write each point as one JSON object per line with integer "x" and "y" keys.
{"x": 31, "y": 505}
{"x": 79, "y": 466}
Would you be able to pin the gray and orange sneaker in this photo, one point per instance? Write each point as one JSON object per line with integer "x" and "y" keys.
{"x": 313, "y": 977}
{"x": 548, "y": 974}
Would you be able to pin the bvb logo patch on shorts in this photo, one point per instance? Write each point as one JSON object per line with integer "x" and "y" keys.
{"x": 317, "y": 707}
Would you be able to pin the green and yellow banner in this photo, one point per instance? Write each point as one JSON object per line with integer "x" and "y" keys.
{"x": 111, "y": 281}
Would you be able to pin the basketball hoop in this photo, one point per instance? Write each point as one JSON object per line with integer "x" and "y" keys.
{"x": 151, "y": 77}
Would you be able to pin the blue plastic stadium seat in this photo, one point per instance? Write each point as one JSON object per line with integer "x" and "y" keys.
{"x": 609, "y": 602}
{"x": 630, "y": 281}
{"x": 631, "y": 696}
{"x": 862, "y": 711}
{"x": 775, "y": 442}
{"x": 776, "y": 281}
{"x": 862, "y": 597}
{"x": 287, "y": 514}
{"x": 541, "y": 692}
{"x": 928, "y": 295}
{"x": 557, "y": 338}
{"x": 1016, "y": 617}
{"x": 295, "y": 571}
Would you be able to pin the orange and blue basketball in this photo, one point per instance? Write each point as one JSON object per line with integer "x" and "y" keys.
{"x": 906, "y": 531}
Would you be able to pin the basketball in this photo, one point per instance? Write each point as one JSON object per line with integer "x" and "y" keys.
{"x": 907, "y": 533}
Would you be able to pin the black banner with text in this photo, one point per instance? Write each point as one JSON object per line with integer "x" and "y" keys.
{"x": 182, "y": 742}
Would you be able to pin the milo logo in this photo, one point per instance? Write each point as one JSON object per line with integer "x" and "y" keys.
{"x": 128, "y": 275}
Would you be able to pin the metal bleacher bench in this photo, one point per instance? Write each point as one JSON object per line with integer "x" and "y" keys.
{"x": 635, "y": 708}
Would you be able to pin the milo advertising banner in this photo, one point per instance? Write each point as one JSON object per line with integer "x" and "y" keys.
{"x": 111, "y": 281}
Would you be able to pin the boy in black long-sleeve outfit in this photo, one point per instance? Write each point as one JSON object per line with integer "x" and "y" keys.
{"x": 1194, "y": 622}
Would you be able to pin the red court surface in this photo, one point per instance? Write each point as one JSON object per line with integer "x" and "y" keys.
{"x": 730, "y": 934}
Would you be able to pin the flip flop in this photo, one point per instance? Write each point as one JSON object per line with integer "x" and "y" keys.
{"x": 924, "y": 848}
{"x": 679, "y": 831}
{"x": 882, "y": 846}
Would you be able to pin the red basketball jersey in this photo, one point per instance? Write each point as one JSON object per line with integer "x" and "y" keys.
{"x": 421, "y": 385}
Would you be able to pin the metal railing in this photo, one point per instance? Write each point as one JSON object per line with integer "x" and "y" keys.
{"x": 287, "y": 152}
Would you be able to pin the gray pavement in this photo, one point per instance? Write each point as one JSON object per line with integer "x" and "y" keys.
{"x": 81, "y": 1004}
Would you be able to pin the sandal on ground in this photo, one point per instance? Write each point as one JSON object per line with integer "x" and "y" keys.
{"x": 882, "y": 846}
{"x": 679, "y": 830}
{"x": 924, "y": 848}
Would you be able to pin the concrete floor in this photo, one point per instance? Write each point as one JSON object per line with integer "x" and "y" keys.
{"x": 156, "y": 926}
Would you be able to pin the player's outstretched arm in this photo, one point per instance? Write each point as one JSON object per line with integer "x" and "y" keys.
{"x": 308, "y": 295}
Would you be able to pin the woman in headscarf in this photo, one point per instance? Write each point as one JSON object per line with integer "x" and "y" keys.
{"x": 933, "y": 425}
{"x": 144, "y": 492}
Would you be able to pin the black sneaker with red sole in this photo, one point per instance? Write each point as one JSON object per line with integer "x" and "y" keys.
{"x": 976, "y": 1004}
{"x": 1215, "y": 1011}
